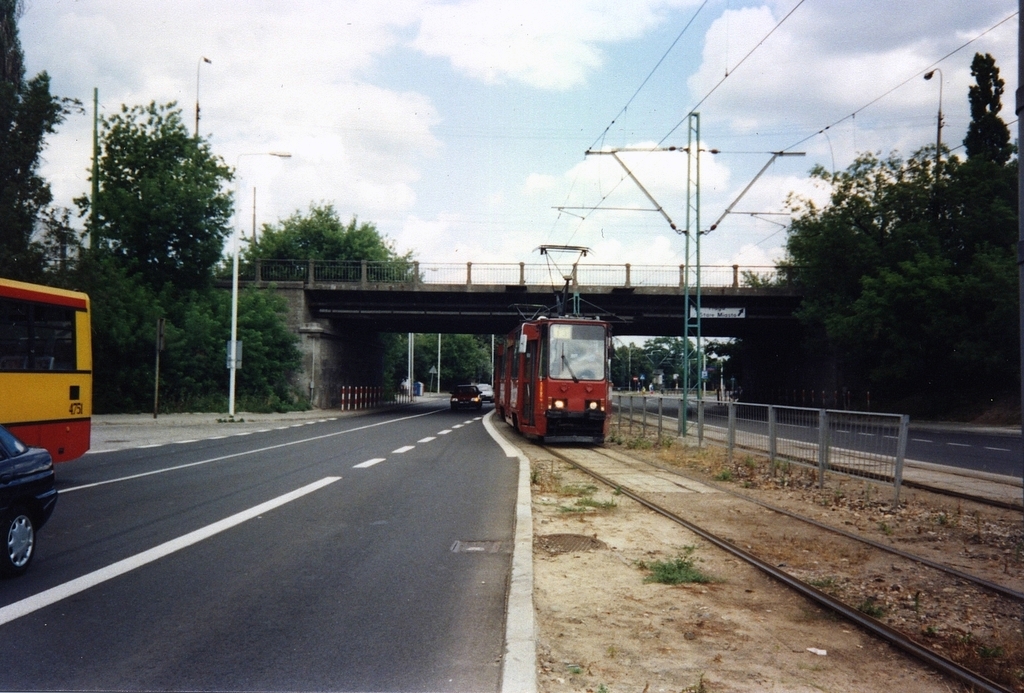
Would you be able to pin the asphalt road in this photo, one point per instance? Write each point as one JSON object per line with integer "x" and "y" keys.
{"x": 367, "y": 553}
{"x": 962, "y": 446}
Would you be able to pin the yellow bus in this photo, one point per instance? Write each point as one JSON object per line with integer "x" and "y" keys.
{"x": 46, "y": 367}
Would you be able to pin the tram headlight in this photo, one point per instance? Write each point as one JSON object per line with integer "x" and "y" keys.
{"x": 559, "y": 404}
{"x": 595, "y": 405}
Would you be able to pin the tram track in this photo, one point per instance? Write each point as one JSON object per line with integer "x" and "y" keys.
{"x": 583, "y": 460}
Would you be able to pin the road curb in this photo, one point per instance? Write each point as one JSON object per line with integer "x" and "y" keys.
{"x": 519, "y": 665}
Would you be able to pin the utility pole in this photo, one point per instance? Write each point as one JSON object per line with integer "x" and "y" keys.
{"x": 93, "y": 216}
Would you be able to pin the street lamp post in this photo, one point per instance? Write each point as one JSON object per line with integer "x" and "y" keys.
{"x": 233, "y": 344}
{"x": 202, "y": 60}
{"x": 938, "y": 134}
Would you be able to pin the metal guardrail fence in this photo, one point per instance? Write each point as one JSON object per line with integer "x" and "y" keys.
{"x": 504, "y": 274}
{"x": 857, "y": 444}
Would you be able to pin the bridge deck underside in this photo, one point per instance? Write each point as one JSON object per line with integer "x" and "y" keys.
{"x": 498, "y": 309}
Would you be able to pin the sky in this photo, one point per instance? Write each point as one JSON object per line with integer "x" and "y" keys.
{"x": 461, "y": 129}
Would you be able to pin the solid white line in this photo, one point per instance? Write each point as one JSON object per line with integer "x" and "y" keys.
{"x": 368, "y": 463}
{"x": 404, "y": 448}
{"x": 182, "y": 442}
{"x": 154, "y": 445}
{"x": 242, "y": 454}
{"x": 68, "y": 589}
{"x": 427, "y": 439}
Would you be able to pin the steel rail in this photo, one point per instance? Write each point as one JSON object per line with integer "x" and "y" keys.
{"x": 874, "y": 626}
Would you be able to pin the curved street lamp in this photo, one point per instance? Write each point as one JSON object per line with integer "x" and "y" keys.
{"x": 233, "y": 344}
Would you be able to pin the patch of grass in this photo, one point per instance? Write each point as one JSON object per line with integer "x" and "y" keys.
{"x": 586, "y": 504}
{"x": 616, "y": 438}
{"x": 678, "y": 571}
{"x": 578, "y": 490}
{"x": 724, "y": 475}
{"x": 639, "y": 443}
{"x": 828, "y": 582}
{"x": 869, "y": 607}
{"x": 885, "y": 528}
{"x": 993, "y": 652}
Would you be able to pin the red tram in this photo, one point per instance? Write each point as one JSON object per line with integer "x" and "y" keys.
{"x": 552, "y": 379}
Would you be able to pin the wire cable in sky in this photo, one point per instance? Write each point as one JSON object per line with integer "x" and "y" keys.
{"x": 906, "y": 81}
{"x": 651, "y": 74}
{"x": 728, "y": 73}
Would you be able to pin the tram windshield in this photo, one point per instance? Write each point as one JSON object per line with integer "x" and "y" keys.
{"x": 576, "y": 352}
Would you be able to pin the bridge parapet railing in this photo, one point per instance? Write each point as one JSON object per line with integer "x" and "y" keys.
{"x": 858, "y": 444}
{"x": 491, "y": 274}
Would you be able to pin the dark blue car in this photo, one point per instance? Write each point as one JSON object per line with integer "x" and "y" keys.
{"x": 27, "y": 499}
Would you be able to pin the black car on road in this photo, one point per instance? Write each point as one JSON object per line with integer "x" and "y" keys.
{"x": 466, "y": 397}
{"x": 27, "y": 499}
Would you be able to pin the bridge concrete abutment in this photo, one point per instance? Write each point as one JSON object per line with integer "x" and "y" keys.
{"x": 335, "y": 354}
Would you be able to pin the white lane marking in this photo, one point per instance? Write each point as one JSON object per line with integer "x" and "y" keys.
{"x": 999, "y": 449}
{"x": 246, "y": 452}
{"x": 457, "y": 426}
{"x": 182, "y": 442}
{"x": 154, "y": 445}
{"x": 368, "y": 463}
{"x": 427, "y": 439}
{"x": 959, "y": 445}
{"x": 444, "y": 432}
{"x": 921, "y": 440}
{"x": 468, "y": 421}
{"x": 242, "y": 433}
{"x": 210, "y": 438}
{"x": 73, "y": 587}
{"x": 404, "y": 448}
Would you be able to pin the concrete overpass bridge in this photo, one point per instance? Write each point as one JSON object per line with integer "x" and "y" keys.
{"x": 492, "y": 298}
{"x": 340, "y": 308}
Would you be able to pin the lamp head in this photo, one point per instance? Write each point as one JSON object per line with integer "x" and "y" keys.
{"x": 929, "y": 74}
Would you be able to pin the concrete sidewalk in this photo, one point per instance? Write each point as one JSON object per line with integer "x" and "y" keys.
{"x": 121, "y": 431}
{"x": 996, "y": 487}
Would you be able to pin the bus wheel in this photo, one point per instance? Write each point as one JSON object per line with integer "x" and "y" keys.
{"x": 19, "y": 542}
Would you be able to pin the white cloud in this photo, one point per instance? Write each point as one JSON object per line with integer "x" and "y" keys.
{"x": 548, "y": 45}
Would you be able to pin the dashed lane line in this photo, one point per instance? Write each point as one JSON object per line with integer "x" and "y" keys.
{"x": 369, "y": 463}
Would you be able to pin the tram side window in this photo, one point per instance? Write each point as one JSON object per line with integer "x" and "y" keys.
{"x": 36, "y": 337}
{"x": 576, "y": 352}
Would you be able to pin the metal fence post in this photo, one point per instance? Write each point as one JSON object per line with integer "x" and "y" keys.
{"x": 643, "y": 417}
{"x": 822, "y": 446}
{"x": 631, "y": 414}
{"x": 772, "y": 437}
{"x": 661, "y": 403}
{"x": 618, "y": 411}
{"x": 700, "y": 423}
{"x": 680, "y": 417}
{"x": 901, "y": 453}
{"x": 731, "y": 435}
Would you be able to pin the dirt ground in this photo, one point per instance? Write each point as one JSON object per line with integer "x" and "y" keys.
{"x": 603, "y": 628}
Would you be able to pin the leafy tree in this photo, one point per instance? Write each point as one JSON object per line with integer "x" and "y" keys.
{"x": 162, "y": 208}
{"x": 987, "y": 135}
{"x": 464, "y": 359}
{"x": 909, "y": 273}
{"x": 28, "y": 113}
{"x": 320, "y": 234}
